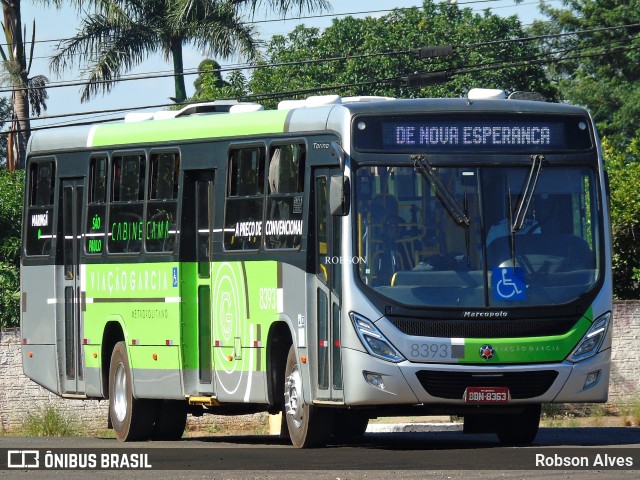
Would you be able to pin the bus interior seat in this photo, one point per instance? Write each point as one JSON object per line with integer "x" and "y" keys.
{"x": 543, "y": 253}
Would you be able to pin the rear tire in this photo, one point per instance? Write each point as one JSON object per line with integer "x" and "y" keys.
{"x": 520, "y": 429}
{"x": 171, "y": 418}
{"x": 308, "y": 425}
{"x": 132, "y": 418}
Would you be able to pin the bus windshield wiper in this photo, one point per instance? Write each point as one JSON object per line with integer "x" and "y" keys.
{"x": 525, "y": 200}
{"x": 422, "y": 165}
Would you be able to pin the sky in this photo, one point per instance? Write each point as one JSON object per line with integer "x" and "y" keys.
{"x": 52, "y": 25}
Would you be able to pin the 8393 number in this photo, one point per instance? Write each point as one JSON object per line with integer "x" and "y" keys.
{"x": 431, "y": 350}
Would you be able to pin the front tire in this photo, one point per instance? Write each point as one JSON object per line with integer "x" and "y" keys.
{"x": 132, "y": 418}
{"x": 308, "y": 425}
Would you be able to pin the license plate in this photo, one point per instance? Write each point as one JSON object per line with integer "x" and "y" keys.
{"x": 487, "y": 395}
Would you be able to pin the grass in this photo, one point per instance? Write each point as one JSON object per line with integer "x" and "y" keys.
{"x": 107, "y": 433}
{"x": 556, "y": 415}
{"x": 630, "y": 412}
{"x": 625, "y": 414}
{"x": 49, "y": 421}
{"x": 241, "y": 428}
{"x": 598, "y": 412}
{"x": 248, "y": 427}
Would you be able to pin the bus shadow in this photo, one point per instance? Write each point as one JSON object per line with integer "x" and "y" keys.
{"x": 588, "y": 436}
{"x": 547, "y": 437}
{"x": 258, "y": 440}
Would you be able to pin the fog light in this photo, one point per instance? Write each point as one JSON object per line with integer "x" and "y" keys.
{"x": 591, "y": 379}
{"x": 374, "y": 379}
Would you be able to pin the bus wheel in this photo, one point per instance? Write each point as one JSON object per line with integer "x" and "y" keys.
{"x": 171, "y": 418}
{"x": 308, "y": 425}
{"x": 132, "y": 418}
{"x": 520, "y": 429}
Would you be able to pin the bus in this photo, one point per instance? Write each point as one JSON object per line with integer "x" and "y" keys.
{"x": 334, "y": 260}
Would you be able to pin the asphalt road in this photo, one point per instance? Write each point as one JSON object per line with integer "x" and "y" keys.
{"x": 576, "y": 453}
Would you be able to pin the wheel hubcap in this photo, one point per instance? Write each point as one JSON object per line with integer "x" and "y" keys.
{"x": 120, "y": 393}
{"x": 292, "y": 400}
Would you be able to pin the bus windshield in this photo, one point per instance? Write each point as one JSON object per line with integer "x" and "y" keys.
{"x": 523, "y": 235}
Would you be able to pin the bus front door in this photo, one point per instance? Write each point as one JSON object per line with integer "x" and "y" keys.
{"x": 69, "y": 312}
{"x": 326, "y": 296}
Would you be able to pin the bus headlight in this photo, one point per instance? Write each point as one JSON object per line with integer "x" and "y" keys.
{"x": 592, "y": 340}
{"x": 373, "y": 339}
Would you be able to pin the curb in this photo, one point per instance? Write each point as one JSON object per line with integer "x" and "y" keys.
{"x": 413, "y": 427}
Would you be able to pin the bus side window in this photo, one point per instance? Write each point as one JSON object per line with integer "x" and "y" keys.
{"x": 163, "y": 178}
{"x": 283, "y": 228}
{"x": 130, "y": 179}
{"x": 44, "y": 184}
{"x": 127, "y": 201}
{"x": 245, "y": 199}
{"x": 162, "y": 206}
{"x": 96, "y": 210}
{"x": 39, "y": 230}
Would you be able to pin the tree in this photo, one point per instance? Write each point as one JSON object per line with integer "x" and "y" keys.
{"x": 11, "y": 197}
{"x": 598, "y": 66}
{"x": 208, "y": 77}
{"x": 120, "y": 34}
{"x": 598, "y": 60}
{"x": 623, "y": 168}
{"x": 371, "y": 56}
{"x": 28, "y": 91}
{"x": 210, "y": 85}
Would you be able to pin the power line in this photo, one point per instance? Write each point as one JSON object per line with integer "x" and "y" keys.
{"x": 300, "y": 17}
{"x": 509, "y": 63}
{"x": 558, "y": 35}
{"x": 410, "y": 81}
{"x": 145, "y": 76}
{"x": 310, "y": 17}
{"x": 446, "y": 72}
{"x": 346, "y": 14}
{"x": 169, "y": 73}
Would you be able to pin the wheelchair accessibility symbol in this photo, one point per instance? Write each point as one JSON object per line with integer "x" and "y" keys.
{"x": 508, "y": 284}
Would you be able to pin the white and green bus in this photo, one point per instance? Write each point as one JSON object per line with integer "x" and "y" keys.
{"x": 336, "y": 260}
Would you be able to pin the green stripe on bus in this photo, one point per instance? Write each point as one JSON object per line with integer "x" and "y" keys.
{"x": 156, "y": 304}
{"x": 189, "y": 128}
{"x": 529, "y": 349}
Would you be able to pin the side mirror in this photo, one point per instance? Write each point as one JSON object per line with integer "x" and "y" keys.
{"x": 339, "y": 195}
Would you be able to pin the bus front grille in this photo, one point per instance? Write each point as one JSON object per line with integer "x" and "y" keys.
{"x": 451, "y": 385}
{"x": 484, "y": 328}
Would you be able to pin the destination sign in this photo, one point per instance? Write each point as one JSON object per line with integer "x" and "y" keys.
{"x": 510, "y": 134}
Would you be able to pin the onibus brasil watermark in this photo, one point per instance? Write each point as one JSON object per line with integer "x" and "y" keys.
{"x": 50, "y": 460}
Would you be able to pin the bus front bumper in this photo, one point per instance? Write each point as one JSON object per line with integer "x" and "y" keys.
{"x": 371, "y": 381}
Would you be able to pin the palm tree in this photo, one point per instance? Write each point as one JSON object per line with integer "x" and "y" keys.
{"x": 27, "y": 91}
{"x": 120, "y": 34}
